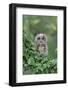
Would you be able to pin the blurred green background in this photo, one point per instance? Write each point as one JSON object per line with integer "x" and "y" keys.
{"x": 32, "y": 25}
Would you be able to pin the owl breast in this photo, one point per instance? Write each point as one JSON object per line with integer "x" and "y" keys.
{"x": 41, "y": 49}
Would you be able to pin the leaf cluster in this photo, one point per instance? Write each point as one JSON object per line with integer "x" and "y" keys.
{"x": 33, "y": 62}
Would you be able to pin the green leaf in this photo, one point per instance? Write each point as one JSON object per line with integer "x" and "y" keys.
{"x": 31, "y": 61}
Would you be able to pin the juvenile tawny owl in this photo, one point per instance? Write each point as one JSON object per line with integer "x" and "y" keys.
{"x": 41, "y": 44}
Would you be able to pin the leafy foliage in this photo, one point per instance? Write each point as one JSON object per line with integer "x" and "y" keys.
{"x": 33, "y": 62}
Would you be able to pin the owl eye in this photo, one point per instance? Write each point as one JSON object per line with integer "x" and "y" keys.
{"x": 38, "y": 38}
{"x": 43, "y": 38}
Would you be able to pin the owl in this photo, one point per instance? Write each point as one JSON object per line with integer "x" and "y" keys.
{"x": 41, "y": 44}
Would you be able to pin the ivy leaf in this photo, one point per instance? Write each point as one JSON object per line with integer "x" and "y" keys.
{"x": 31, "y": 61}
